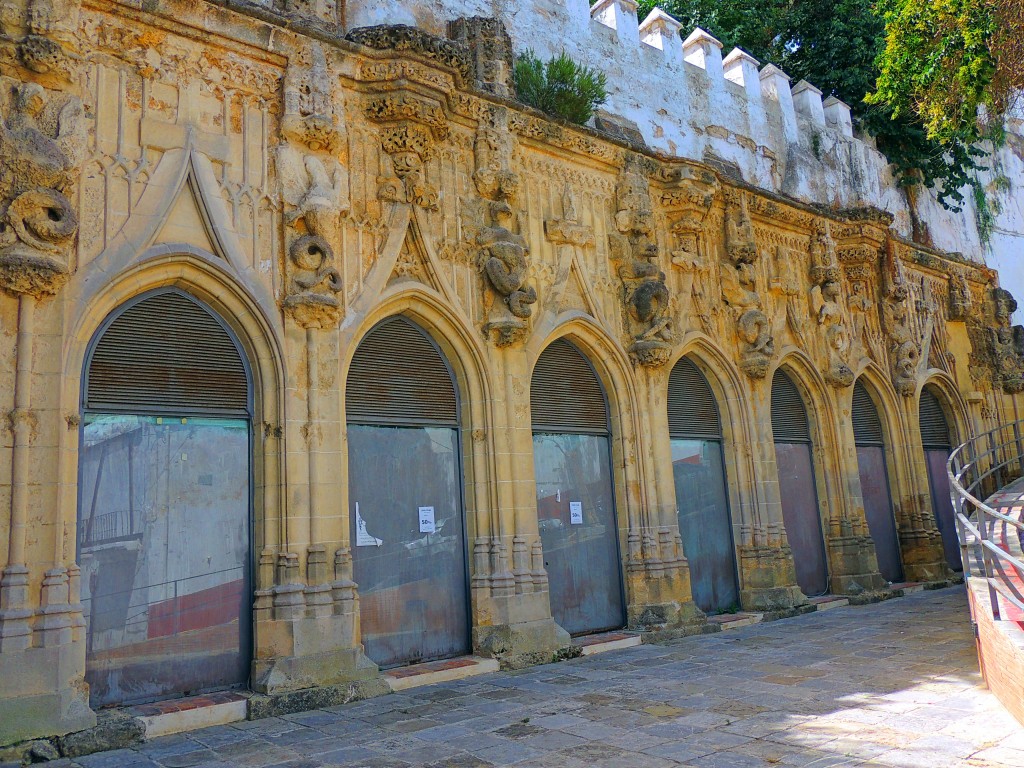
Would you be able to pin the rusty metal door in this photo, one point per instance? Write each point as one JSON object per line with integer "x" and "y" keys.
{"x": 576, "y": 511}
{"x": 575, "y": 498}
{"x": 869, "y": 437}
{"x": 164, "y": 504}
{"x": 405, "y": 498}
{"x": 874, "y": 486}
{"x": 704, "y": 523}
{"x": 801, "y": 517}
{"x": 938, "y": 484}
{"x": 791, "y": 431}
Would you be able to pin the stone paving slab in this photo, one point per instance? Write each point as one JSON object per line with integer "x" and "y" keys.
{"x": 893, "y": 684}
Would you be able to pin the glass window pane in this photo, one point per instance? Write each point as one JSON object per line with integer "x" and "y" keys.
{"x": 164, "y": 550}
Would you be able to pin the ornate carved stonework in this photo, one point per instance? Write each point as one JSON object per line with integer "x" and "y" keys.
{"x": 314, "y": 190}
{"x": 960, "y": 300}
{"x": 42, "y": 144}
{"x": 903, "y": 350}
{"x": 739, "y": 288}
{"x": 1007, "y": 343}
{"x": 503, "y": 253}
{"x": 399, "y": 37}
{"x": 826, "y": 294}
{"x": 645, "y": 295}
{"x": 491, "y": 55}
{"x": 411, "y": 126}
{"x": 568, "y": 230}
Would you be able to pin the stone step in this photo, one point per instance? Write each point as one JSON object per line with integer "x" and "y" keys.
{"x": 443, "y": 671}
{"x": 735, "y": 620}
{"x": 828, "y": 602}
{"x": 163, "y": 718}
{"x": 606, "y": 641}
{"x": 908, "y": 587}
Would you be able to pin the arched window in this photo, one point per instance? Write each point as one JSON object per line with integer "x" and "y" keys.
{"x": 405, "y": 497}
{"x": 165, "y": 503}
{"x": 575, "y": 498}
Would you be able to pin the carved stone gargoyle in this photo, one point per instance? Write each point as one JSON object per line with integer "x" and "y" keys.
{"x": 826, "y": 294}
{"x": 645, "y": 295}
{"x": 42, "y": 145}
{"x": 739, "y": 289}
{"x": 314, "y": 190}
{"x": 960, "y": 299}
{"x": 503, "y": 254}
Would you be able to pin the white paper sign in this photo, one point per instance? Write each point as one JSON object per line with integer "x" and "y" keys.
{"x": 363, "y": 539}
{"x": 576, "y": 513}
{"x": 427, "y": 520}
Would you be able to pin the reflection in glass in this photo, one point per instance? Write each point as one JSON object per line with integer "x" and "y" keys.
{"x": 577, "y": 527}
{"x": 704, "y": 523}
{"x": 164, "y": 550}
{"x": 412, "y": 583}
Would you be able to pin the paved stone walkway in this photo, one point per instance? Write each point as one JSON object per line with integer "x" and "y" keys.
{"x": 892, "y": 684}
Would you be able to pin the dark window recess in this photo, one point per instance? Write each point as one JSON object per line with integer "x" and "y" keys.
{"x": 167, "y": 354}
{"x": 692, "y": 410}
{"x": 398, "y": 376}
{"x": 789, "y": 415}
{"x": 867, "y": 427}
{"x": 934, "y": 427}
{"x": 565, "y": 393}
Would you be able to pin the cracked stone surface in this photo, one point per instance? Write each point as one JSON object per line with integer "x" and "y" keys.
{"x": 891, "y": 684}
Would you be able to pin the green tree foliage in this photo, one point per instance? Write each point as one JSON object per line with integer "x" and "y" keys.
{"x": 835, "y": 46}
{"x": 943, "y": 59}
{"x": 560, "y": 86}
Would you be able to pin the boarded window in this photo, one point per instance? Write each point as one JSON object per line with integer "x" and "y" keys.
{"x": 398, "y": 376}
{"x": 166, "y": 354}
{"x": 934, "y": 427}
{"x": 565, "y": 393}
{"x": 789, "y": 415}
{"x": 692, "y": 410}
{"x": 867, "y": 427}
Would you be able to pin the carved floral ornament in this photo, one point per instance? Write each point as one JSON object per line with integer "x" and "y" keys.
{"x": 411, "y": 126}
{"x": 42, "y": 145}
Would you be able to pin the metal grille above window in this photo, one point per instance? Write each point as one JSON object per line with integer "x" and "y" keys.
{"x": 565, "y": 393}
{"x": 789, "y": 414}
{"x": 934, "y": 427}
{"x": 692, "y": 409}
{"x": 166, "y": 354}
{"x": 867, "y": 427}
{"x": 398, "y": 376}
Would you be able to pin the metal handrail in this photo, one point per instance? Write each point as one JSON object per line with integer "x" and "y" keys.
{"x": 980, "y": 467}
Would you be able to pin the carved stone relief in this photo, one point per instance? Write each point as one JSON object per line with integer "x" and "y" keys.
{"x": 1007, "y": 343}
{"x": 960, "y": 300}
{"x": 42, "y": 145}
{"x": 314, "y": 189}
{"x": 503, "y": 253}
{"x": 903, "y": 349}
{"x": 739, "y": 288}
{"x": 633, "y": 248}
{"x": 411, "y": 127}
{"x": 826, "y": 293}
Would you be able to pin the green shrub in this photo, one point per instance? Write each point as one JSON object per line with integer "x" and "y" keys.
{"x": 560, "y": 87}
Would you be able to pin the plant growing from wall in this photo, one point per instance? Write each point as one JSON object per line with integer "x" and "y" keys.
{"x": 561, "y": 87}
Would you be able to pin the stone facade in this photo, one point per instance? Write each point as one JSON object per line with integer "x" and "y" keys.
{"x": 305, "y": 185}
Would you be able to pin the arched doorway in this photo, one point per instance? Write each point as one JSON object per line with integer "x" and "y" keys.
{"x": 791, "y": 432}
{"x": 937, "y": 440}
{"x": 705, "y": 525}
{"x": 165, "y": 503}
{"x": 575, "y": 498}
{"x": 869, "y": 438}
{"x": 405, "y": 497}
